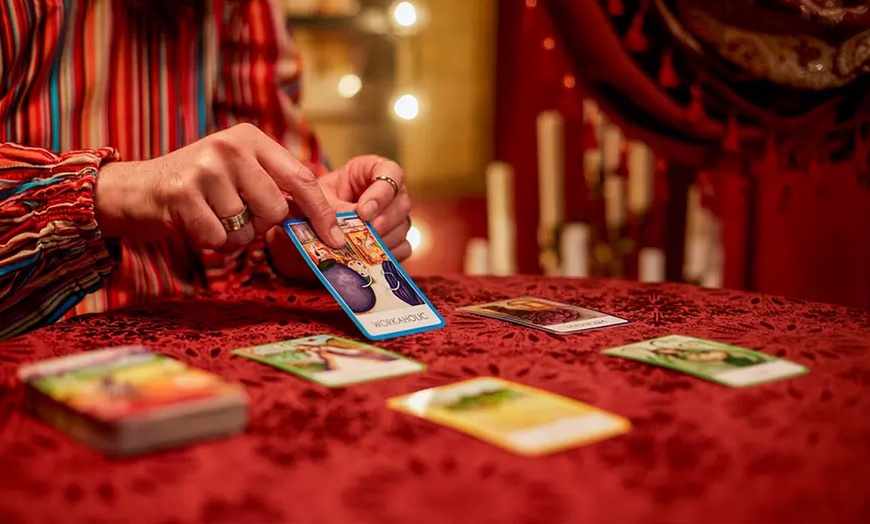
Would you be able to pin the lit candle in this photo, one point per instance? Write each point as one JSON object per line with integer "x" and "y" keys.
{"x": 641, "y": 169}
{"x": 500, "y": 218}
{"x": 551, "y": 172}
{"x": 575, "y": 249}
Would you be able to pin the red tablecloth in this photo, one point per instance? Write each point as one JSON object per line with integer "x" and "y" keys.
{"x": 791, "y": 451}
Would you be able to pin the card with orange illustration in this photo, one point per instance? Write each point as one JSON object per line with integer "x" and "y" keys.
{"x": 366, "y": 280}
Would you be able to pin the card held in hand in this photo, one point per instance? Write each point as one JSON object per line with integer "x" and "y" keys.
{"x": 544, "y": 314}
{"x": 714, "y": 361}
{"x": 366, "y": 280}
{"x": 521, "y": 419}
{"x": 332, "y": 361}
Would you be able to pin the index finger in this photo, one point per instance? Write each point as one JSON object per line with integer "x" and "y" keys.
{"x": 297, "y": 180}
{"x": 380, "y": 192}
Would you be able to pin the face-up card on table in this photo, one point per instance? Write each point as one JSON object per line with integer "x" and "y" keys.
{"x": 126, "y": 400}
{"x": 548, "y": 315}
{"x": 366, "y": 280}
{"x": 714, "y": 361}
{"x": 332, "y": 361}
{"x": 519, "y": 418}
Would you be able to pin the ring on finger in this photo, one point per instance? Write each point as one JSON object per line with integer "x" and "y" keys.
{"x": 236, "y": 222}
{"x": 389, "y": 181}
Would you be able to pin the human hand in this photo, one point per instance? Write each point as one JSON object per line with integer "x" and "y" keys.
{"x": 354, "y": 187}
{"x": 191, "y": 189}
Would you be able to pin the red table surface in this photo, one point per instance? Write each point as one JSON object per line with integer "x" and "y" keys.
{"x": 797, "y": 450}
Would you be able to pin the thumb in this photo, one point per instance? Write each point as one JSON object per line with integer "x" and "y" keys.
{"x": 344, "y": 207}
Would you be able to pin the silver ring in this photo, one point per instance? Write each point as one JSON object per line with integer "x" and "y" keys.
{"x": 390, "y": 180}
{"x": 237, "y": 221}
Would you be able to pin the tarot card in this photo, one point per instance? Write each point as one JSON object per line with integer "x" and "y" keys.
{"x": 522, "y": 419}
{"x": 721, "y": 363}
{"x": 544, "y": 314}
{"x": 366, "y": 280}
{"x": 332, "y": 361}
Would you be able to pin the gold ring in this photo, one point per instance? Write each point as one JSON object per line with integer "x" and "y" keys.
{"x": 390, "y": 180}
{"x": 237, "y": 221}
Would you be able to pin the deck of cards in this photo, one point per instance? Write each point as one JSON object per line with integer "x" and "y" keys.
{"x": 128, "y": 400}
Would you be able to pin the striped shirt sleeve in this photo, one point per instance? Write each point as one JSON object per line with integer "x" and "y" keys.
{"x": 51, "y": 250}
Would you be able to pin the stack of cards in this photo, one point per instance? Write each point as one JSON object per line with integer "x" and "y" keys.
{"x": 366, "y": 280}
{"x": 547, "y": 315}
{"x": 721, "y": 363}
{"x": 332, "y": 361}
{"x": 518, "y": 418}
{"x": 128, "y": 400}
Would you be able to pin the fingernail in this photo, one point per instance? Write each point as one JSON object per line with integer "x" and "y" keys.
{"x": 371, "y": 209}
{"x": 337, "y": 235}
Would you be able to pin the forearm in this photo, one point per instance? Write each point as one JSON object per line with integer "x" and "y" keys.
{"x": 51, "y": 248}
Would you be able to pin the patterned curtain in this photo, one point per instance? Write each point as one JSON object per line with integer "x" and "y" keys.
{"x": 708, "y": 83}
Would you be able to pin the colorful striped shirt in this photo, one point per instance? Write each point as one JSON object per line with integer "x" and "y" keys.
{"x": 86, "y": 82}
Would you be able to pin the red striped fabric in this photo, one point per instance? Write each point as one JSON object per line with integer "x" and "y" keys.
{"x": 84, "y": 82}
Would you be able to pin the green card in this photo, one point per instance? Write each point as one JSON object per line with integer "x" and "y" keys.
{"x": 721, "y": 363}
{"x": 332, "y": 361}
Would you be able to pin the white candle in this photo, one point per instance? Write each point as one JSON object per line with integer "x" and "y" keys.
{"x": 551, "y": 172}
{"x": 575, "y": 249}
{"x": 651, "y": 265}
{"x": 641, "y": 170}
{"x": 614, "y": 201}
{"x": 500, "y": 218}
{"x": 610, "y": 147}
{"x": 715, "y": 275}
{"x": 590, "y": 111}
{"x": 477, "y": 257}
{"x": 695, "y": 257}
{"x": 592, "y": 115}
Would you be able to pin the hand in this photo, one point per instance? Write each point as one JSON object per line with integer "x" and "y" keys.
{"x": 190, "y": 189}
{"x": 354, "y": 188}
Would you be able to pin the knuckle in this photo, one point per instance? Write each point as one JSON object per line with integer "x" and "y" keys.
{"x": 222, "y": 144}
{"x": 405, "y": 203}
{"x": 179, "y": 192}
{"x": 275, "y": 211}
{"x": 305, "y": 178}
{"x": 246, "y": 128}
{"x": 324, "y": 213}
{"x": 211, "y": 237}
{"x": 206, "y": 171}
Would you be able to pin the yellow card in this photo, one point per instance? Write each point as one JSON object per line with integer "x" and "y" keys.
{"x": 519, "y": 418}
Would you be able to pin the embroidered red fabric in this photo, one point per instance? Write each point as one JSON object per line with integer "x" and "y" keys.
{"x": 790, "y": 451}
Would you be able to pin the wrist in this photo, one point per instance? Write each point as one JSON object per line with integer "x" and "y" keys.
{"x": 106, "y": 199}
